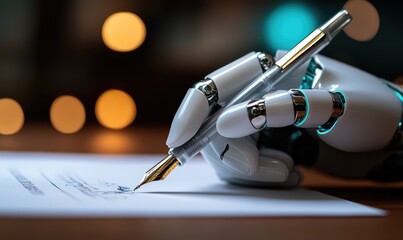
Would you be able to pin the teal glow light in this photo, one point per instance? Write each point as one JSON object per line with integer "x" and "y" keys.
{"x": 326, "y": 131}
{"x": 399, "y": 95}
{"x": 288, "y": 25}
{"x": 295, "y": 135}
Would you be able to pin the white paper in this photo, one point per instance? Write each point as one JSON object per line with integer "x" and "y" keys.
{"x": 83, "y": 185}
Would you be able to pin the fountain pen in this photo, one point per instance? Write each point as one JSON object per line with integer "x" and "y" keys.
{"x": 272, "y": 74}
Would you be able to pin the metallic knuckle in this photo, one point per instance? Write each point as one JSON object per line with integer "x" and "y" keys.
{"x": 265, "y": 60}
{"x": 209, "y": 89}
{"x": 257, "y": 113}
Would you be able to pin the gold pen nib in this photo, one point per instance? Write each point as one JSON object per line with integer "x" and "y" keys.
{"x": 160, "y": 171}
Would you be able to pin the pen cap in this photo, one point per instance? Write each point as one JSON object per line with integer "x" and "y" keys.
{"x": 233, "y": 77}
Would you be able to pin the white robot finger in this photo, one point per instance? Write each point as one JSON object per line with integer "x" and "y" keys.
{"x": 216, "y": 88}
{"x": 373, "y": 109}
{"x": 301, "y": 107}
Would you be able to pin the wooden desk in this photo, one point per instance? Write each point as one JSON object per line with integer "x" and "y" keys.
{"x": 152, "y": 140}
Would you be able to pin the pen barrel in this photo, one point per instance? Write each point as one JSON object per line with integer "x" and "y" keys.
{"x": 298, "y": 55}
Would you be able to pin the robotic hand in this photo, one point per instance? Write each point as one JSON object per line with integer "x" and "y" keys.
{"x": 336, "y": 118}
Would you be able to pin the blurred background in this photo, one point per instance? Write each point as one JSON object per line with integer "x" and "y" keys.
{"x": 122, "y": 64}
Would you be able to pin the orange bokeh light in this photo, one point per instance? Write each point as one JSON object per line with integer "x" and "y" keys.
{"x": 115, "y": 109}
{"x": 11, "y": 116}
{"x": 123, "y": 31}
{"x": 67, "y": 114}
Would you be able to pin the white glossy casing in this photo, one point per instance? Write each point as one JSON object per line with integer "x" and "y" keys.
{"x": 372, "y": 110}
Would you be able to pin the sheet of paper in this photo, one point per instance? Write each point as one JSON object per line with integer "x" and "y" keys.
{"x": 79, "y": 185}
